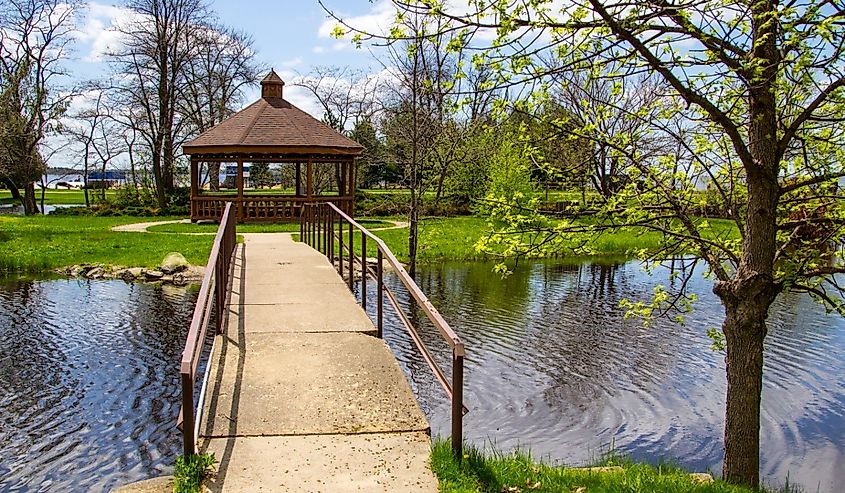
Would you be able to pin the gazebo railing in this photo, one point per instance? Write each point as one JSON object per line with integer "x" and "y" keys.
{"x": 256, "y": 208}
{"x": 323, "y": 226}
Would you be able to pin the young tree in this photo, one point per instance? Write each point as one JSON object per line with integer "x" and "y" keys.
{"x": 761, "y": 85}
{"x": 34, "y": 35}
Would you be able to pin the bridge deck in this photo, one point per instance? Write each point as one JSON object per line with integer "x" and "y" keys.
{"x": 302, "y": 396}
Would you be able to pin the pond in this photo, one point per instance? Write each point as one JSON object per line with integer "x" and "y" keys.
{"x": 553, "y": 367}
{"x": 89, "y": 371}
{"x": 91, "y": 384}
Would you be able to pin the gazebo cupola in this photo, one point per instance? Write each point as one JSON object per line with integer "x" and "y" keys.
{"x": 257, "y": 157}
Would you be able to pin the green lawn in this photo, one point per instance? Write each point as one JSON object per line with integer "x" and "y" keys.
{"x": 494, "y": 473}
{"x": 454, "y": 238}
{"x": 42, "y": 243}
{"x": 61, "y": 197}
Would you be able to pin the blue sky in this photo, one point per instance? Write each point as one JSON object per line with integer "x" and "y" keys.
{"x": 290, "y": 36}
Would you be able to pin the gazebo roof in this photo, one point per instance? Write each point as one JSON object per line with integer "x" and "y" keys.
{"x": 272, "y": 126}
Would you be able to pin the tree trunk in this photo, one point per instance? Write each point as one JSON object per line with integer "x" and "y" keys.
{"x": 752, "y": 290}
{"x": 161, "y": 194}
{"x": 214, "y": 176}
{"x": 413, "y": 233}
{"x": 13, "y": 189}
{"x": 30, "y": 206}
{"x": 746, "y": 309}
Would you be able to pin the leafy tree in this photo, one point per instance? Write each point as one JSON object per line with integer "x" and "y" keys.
{"x": 755, "y": 109}
{"x": 260, "y": 175}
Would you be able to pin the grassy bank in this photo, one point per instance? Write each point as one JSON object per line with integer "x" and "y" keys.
{"x": 454, "y": 238}
{"x": 62, "y": 197}
{"x": 42, "y": 243}
{"x": 517, "y": 472}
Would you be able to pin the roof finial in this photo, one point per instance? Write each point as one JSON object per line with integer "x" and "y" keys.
{"x": 271, "y": 86}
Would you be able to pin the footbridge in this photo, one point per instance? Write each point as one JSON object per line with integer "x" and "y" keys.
{"x": 287, "y": 380}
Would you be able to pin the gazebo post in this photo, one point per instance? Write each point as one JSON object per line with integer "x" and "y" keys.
{"x": 298, "y": 192}
{"x": 194, "y": 187}
{"x": 309, "y": 180}
{"x": 240, "y": 189}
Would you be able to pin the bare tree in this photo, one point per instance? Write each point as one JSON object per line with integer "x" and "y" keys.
{"x": 99, "y": 135}
{"x": 220, "y": 67}
{"x": 34, "y": 36}
{"x": 156, "y": 50}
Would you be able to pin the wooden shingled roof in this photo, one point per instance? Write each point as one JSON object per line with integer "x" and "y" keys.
{"x": 272, "y": 126}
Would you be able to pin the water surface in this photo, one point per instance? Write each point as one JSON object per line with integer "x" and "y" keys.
{"x": 553, "y": 367}
{"x": 89, "y": 371}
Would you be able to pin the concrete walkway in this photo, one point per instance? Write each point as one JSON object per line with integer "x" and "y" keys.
{"x": 302, "y": 396}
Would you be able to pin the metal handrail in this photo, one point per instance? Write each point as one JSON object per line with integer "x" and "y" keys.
{"x": 213, "y": 293}
{"x": 318, "y": 229}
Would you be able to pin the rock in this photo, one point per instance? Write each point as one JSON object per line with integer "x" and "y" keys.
{"x": 174, "y": 262}
{"x": 135, "y": 272}
{"x": 701, "y": 478}
{"x": 76, "y": 271}
{"x": 95, "y": 272}
{"x": 166, "y": 279}
{"x": 153, "y": 275}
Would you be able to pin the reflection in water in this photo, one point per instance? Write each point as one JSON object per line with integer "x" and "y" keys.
{"x": 90, "y": 376}
{"x": 552, "y": 366}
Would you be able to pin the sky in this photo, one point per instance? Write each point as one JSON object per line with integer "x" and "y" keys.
{"x": 290, "y": 36}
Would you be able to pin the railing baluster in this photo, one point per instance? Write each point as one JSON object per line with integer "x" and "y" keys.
{"x": 457, "y": 400}
{"x": 364, "y": 271}
{"x": 188, "y": 439}
{"x": 340, "y": 243}
{"x": 351, "y": 257}
{"x": 380, "y": 295}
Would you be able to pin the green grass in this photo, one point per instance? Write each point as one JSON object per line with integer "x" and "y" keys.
{"x": 53, "y": 197}
{"x": 454, "y": 238}
{"x": 518, "y": 472}
{"x": 190, "y": 471}
{"x": 249, "y": 227}
{"x": 42, "y": 243}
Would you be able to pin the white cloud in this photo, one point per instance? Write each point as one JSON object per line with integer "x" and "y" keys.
{"x": 377, "y": 21}
{"x": 99, "y": 29}
{"x": 293, "y": 62}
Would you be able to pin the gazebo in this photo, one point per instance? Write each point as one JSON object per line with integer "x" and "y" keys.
{"x": 270, "y": 132}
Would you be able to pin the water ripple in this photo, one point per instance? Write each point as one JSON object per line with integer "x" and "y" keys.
{"x": 553, "y": 366}
{"x": 91, "y": 382}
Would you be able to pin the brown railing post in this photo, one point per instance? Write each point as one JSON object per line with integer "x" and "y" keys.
{"x": 351, "y": 257}
{"x": 379, "y": 295}
{"x": 331, "y": 236}
{"x": 340, "y": 246}
{"x": 301, "y": 224}
{"x": 325, "y": 231}
{"x": 364, "y": 271}
{"x": 458, "y": 400}
{"x": 188, "y": 439}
